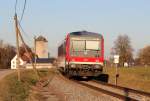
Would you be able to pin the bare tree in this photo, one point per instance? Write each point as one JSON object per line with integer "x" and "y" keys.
{"x": 7, "y": 52}
{"x": 122, "y": 47}
{"x": 144, "y": 55}
{"x": 26, "y": 54}
{"x": 1, "y": 51}
{"x": 137, "y": 61}
{"x": 22, "y": 50}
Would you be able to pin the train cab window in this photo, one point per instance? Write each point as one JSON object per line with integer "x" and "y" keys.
{"x": 78, "y": 45}
{"x": 92, "y": 45}
{"x": 85, "y": 47}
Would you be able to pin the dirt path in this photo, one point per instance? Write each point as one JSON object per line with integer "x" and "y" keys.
{"x": 4, "y": 72}
{"x": 45, "y": 93}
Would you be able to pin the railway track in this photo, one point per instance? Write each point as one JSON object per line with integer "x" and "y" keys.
{"x": 121, "y": 93}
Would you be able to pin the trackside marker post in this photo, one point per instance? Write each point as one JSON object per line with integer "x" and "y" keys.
{"x": 116, "y": 61}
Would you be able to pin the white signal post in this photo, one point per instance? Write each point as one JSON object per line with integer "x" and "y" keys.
{"x": 116, "y": 61}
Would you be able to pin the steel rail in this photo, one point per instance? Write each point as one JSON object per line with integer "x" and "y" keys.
{"x": 135, "y": 94}
{"x": 121, "y": 97}
{"x": 122, "y": 93}
{"x": 123, "y": 88}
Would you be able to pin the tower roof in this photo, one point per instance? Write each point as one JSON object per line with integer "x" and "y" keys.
{"x": 41, "y": 38}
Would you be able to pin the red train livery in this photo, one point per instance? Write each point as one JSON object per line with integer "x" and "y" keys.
{"x": 81, "y": 54}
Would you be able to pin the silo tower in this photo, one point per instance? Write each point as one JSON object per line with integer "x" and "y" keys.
{"x": 41, "y": 47}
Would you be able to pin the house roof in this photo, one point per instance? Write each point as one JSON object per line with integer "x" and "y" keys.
{"x": 42, "y": 60}
{"x": 41, "y": 38}
{"x": 23, "y": 58}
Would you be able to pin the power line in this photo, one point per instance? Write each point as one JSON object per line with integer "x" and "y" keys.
{"x": 23, "y": 10}
{"x": 30, "y": 57}
{"x": 18, "y": 35}
{"x": 27, "y": 36}
{"x": 19, "y": 22}
{"x": 16, "y": 6}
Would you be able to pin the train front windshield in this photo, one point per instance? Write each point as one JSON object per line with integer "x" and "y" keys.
{"x": 85, "y": 47}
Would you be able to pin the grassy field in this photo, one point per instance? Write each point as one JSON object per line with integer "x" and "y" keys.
{"x": 13, "y": 90}
{"x": 132, "y": 77}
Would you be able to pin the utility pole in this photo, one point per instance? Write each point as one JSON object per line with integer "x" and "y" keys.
{"x": 30, "y": 57}
{"x": 19, "y": 36}
{"x": 35, "y": 51}
{"x": 17, "y": 45}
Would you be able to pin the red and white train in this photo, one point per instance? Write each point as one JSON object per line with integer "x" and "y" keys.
{"x": 81, "y": 54}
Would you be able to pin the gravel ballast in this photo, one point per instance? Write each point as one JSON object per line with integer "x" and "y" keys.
{"x": 75, "y": 92}
{"x": 60, "y": 88}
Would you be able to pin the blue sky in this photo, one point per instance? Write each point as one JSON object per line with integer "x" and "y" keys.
{"x": 54, "y": 18}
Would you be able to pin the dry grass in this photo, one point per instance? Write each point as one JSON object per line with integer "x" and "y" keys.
{"x": 132, "y": 77}
{"x": 13, "y": 90}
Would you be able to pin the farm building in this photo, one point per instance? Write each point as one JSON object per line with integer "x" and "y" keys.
{"x": 42, "y": 60}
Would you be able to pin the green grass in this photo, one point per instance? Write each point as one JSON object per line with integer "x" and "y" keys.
{"x": 13, "y": 90}
{"x": 132, "y": 77}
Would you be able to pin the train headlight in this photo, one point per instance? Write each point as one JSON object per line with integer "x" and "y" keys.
{"x": 72, "y": 65}
{"x": 97, "y": 66}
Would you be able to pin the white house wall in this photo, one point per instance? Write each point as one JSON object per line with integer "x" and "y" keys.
{"x": 14, "y": 63}
{"x": 39, "y": 65}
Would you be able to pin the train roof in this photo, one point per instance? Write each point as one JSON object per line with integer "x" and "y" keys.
{"x": 85, "y": 33}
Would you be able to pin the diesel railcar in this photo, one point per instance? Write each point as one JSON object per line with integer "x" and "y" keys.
{"x": 81, "y": 54}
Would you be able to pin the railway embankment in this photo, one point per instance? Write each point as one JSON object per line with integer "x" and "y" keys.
{"x": 60, "y": 88}
{"x": 13, "y": 90}
{"x": 137, "y": 78}
{"x": 52, "y": 86}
